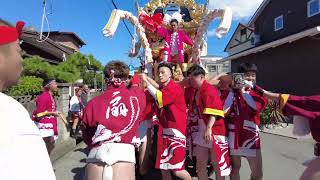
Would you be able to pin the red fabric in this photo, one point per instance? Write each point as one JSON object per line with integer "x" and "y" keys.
{"x": 171, "y": 152}
{"x": 10, "y": 34}
{"x": 239, "y": 115}
{"x": 45, "y": 102}
{"x": 221, "y": 150}
{"x": 209, "y": 98}
{"x": 118, "y": 110}
{"x": 151, "y": 108}
{"x": 308, "y": 107}
{"x": 173, "y": 114}
{"x": 150, "y": 23}
{"x": 135, "y": 79}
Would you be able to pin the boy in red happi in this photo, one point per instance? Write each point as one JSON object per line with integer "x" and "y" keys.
{"x": 171, "y": 149}
{"x": 111, "y": 123}
{"x": 209, "y": 135}
{"x": 45, "y": 114}
{"x": 242, "y": 107}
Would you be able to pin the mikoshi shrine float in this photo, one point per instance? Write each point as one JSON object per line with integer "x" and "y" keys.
{"x": 153, "y": 33}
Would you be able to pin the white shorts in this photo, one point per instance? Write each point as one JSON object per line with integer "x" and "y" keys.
{"x": 111, "y": 153}
{"x": 143, "y": 128}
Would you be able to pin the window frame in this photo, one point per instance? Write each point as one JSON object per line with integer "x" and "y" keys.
{"x": 275, "y": 23}
{"x": 308, "y": 8}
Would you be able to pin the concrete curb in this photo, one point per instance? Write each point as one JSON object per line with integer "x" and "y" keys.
{"x": 284, "y": 132}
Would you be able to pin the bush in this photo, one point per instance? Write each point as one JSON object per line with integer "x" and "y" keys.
{"x": 265, "y": 114}
{"x": 28, "y": 85}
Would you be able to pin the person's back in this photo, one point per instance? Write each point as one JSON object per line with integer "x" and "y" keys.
{"x": 120, "y": 109}
{"x": 110, "y": 127}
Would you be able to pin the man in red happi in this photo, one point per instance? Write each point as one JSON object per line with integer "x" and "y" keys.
{"x": 209, "y": 135}
{"x": 45, "y": 114}
{"x": 242, "y": 107}
{"x": 171, "y": 149}
{"x": 111, "y": 123}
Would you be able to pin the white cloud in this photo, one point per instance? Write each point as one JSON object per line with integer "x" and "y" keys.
{"x": 242, "y": 9}
{"x": 211, "y": 32}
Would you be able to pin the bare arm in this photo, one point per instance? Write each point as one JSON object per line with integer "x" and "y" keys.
{"x": 152, "y": 82}
{"x": 208, "y": 132}
{"x": 272, "y": 96}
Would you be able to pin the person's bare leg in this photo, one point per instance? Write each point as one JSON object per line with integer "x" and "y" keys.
{"x": 75, "y": 123}
{"x": 313, "y": 170}
{"x": 123, "y": 170}
{"x": 49, "y": 143}
{"x": 255, "y": 164}
{"x": 202, "y": 155}
{"x": 94, "y": 171}
{"x": 236, "y": 165}
{"x": 183, "y": 174}
{"x": 166, "y": 175}
{"x": 215, "y": 165}
{"x": 144, "y": 154}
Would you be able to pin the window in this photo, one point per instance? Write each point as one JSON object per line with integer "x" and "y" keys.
{"x": 313, "y": 7}
{"x": 278, "y": 23}
{"x": 212, "y": 68}
{"x": 243, "y": 32}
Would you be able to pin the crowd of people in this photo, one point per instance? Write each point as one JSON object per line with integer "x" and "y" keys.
{"x": 217, "y": 123}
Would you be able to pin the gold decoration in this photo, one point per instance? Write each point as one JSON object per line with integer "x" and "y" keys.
{"x": 196, "y": 12}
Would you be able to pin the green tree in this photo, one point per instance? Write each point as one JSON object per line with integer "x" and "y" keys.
{"x": 28, "y": 85}
{"x": 76, "y": 66}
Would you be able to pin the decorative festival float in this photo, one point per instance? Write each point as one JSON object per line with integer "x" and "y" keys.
{"x": 154, "y": 31}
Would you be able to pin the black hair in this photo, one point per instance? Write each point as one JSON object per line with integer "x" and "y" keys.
{"x": 247, "y": 67}
{"x": 47, "y": 81}
{"x": 167, "y": 65}
{"x": 174, "y": 21}
{"x": 196, "y": 70}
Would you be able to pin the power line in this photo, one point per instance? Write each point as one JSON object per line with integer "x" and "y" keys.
{"x": 125, "y": 24}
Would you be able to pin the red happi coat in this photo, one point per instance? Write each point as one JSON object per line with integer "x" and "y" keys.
{"x": 45, "y": 103}
{"x": 113, "y": 116}
{"x": 171, "y": 149}
{"x": 242, "y": 112}
{"x": 210, "y": 104}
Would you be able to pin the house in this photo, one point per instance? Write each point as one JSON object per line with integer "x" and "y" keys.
{"x": 53, "y": 49}
{"x": 283, "y": 39}
{"x": 214, "y": 66}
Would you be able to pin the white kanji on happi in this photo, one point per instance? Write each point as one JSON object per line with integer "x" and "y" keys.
{"x": 117, "y": 107}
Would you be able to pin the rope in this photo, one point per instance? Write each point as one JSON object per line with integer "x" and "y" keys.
{"x": 44, "y": 19}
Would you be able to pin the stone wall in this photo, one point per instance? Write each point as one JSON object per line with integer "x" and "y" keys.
{"x": 64, "y": 143}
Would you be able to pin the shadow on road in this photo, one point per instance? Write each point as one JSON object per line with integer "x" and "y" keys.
{"x": 79, "y": 173}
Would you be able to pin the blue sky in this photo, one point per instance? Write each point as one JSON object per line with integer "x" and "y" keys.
{"x": 87, "y": 18}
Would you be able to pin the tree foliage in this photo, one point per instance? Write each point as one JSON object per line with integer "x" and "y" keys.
{"x": 76, "y": 66}
{"x": 28, "y": 85}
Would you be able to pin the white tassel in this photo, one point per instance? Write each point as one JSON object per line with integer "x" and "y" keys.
{"x": 301, "y": 126}
{"x": 225, "y": 24}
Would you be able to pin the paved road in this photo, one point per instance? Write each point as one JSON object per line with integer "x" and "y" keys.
{"x": 283, "y": 159}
